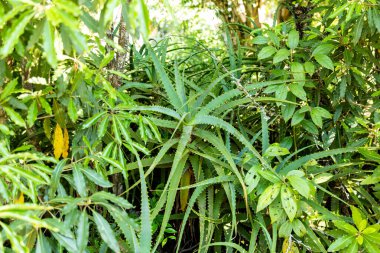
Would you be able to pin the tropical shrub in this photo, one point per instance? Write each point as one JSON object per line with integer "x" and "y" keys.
{"x": 110, "y": 145}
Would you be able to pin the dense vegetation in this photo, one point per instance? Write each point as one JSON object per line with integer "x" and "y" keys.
{"x": 269, "y": 144}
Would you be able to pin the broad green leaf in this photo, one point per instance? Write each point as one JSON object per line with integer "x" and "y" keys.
{"x": 281, "y": 92}
{"x": 316, "y": 117}
{"x": 322, "y": 112}
{"x": 268, "y": 195}
{"x": 298, "y": 227}
{"x": 298, "y": 72}
{"x": 293, "y": 39}
{"x": 252, "y": 178}
{"x": 276, "y": 212}
{"x": 105, "y": 231}
{"x": 276, "y": 150}
{"x": 341, "y": 243}
{"x": 300, "y": 185}
{"x": 269, "y": 175}
{"x": 298, "y": 90}
{"x": 48, "y": 44}
{"x": 288, "y": 201}
{"x": 297, "y": 118}
{"x": 309, "y": 67}
{"x": 287, "y": 111}
{"x": 32, "y": 113}
{"x": 317, "y": 113}
{"x": 266, "y": 52}
{"x": 260, "y": 40}
{"x": 82, "y": 232}
{"x": 285, "y": 229}
{"x": 14, "y": 116}
{"x": 281, "y": 55}
{"x": 323, "y": 49}
{"x": 14, "y": 32}
{"x": 324, "y": 61}
{"x": 309, "y": 126}
{"x": 72, "y": 111}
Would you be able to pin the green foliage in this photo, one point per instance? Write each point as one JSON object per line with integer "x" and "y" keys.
{"x": 268, "y": 147}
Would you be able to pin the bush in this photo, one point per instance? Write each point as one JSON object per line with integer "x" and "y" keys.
{"x": 268, "y": 146}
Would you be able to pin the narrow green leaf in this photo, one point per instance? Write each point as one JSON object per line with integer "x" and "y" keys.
{"x": 83, "y": 232}
{"x": 358, "y": 30}
{"x": 72, "y": 110}
{"x": 32, "y": 113}
{"x": 48, "y": 44}
{"x": 341, "y": 243}
{"x": 339, "y": 10}
{"x": 13, "y": 34}
{"x": 106, "y": 232}
{"x": 143, "y": 18}
{"x": 43, "y": 245}
{"x": 9, "y": 88}
{"x": 103, "y": 126}
{"x": 14, "y": 116}
{"x": 45, "y": 105}
{"x": 79, "y": 181}
{"x": 91, "y": 121}
{"x": 66, "y": 241}
{"x": 96, "y": 178}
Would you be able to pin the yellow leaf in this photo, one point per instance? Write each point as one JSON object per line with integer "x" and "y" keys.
{"x": 20, "y": 199}
{"x": 58, "y": 143}
{"x": 289, "y": 247}
{"x": 184, "y": 194}
{"x": 65, "y": 151}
